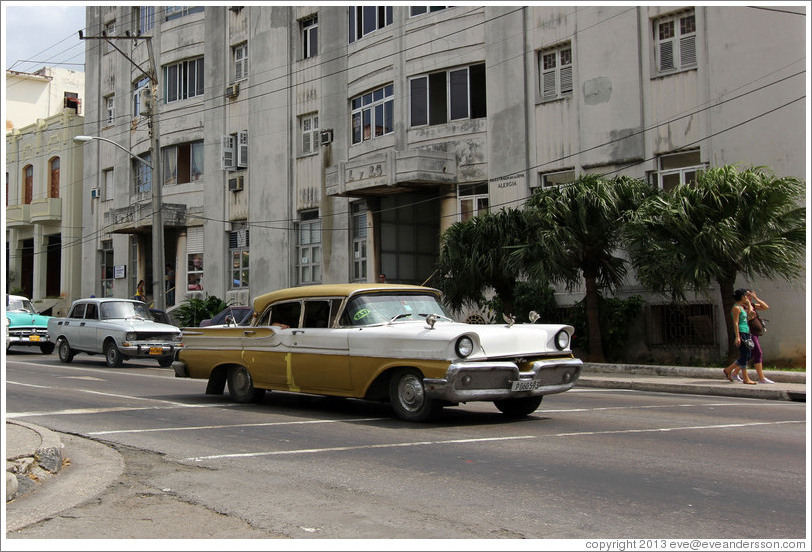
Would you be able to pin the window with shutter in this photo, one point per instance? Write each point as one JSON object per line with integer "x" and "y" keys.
{"x": 242, "y": 150}
{"x": 227, "y": 153}
{"x": 675, "y": 42}
{"x": 555, "y": 69}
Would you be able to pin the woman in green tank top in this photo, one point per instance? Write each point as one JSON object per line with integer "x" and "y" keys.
{"x": 739, "y": 315}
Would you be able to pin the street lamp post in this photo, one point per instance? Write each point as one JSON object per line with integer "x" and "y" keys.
{"x": 158, "y": 289}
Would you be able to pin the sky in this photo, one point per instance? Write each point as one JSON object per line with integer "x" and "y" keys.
{"x": 37, "y": 35}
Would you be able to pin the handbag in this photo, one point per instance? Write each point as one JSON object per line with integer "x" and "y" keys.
{"x": 757, "y": 326}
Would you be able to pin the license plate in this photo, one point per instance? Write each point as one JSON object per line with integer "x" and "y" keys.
{"x": 156, "y": 351}
{"x": 33, "y": 338}
{"x": 527, "y": 385}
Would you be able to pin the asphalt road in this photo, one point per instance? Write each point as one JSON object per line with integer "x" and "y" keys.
{"x": 590, "y": 463}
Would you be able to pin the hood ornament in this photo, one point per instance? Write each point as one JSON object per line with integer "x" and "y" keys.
{"x": 510, "y": 320}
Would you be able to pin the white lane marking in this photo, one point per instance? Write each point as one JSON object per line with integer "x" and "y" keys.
{"x": 457, "y": 441}
{"x": 666, "y": 429}
{"x": 165, "y": 373}
{"x": 357, "y": 447}
{"x": 86, "y": 378}
{"x": 79, "y": 411}
{"x": 264, "y": 424}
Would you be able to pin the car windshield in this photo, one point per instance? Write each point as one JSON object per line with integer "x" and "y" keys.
{"x": 124, "y": 309}
{"x": 380, "y": 308}
{"x": 20, "y": 305}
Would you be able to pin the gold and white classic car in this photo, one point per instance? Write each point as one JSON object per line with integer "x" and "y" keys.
{"x": 383, "y": 342}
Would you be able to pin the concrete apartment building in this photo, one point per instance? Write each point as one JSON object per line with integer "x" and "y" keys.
{"x": 307, "y": 144}
{"x": 44, "y": 171}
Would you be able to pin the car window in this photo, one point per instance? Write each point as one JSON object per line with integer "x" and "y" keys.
{"x": 286, "y": 314}
{"x": 124, "y": 309}
{"x": 316, "y": 314}
{"x": 92, "y": 312}
{"x": 78, "y": 311}
{"x": 368, "y": 309}
{"x": 20, "y": 305}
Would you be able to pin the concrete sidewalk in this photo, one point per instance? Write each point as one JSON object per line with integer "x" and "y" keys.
{"x": 35, "y": 454}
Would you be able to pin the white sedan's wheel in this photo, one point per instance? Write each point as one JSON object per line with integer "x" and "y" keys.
{"x": 409, "y": 399}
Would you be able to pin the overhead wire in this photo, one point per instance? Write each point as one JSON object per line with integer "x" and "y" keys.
{"x": 289, "y": 222}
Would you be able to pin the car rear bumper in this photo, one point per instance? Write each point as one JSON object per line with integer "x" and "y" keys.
{"x": 491, "y": 381}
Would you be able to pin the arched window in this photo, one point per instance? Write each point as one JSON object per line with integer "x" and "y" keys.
{"x": 53, "y": 176}
{"x": 28, "y": 184}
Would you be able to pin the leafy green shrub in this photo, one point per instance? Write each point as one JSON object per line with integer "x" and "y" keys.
{"x": 193, "y": 310}
{"x": 616, "y": 317}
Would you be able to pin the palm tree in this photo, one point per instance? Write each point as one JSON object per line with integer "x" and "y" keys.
{"x": 473, "y": 259}
{"x": 575, "y": 236}
{"x": 725, "y": 224}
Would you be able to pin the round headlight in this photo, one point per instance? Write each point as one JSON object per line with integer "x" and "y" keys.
{"x": 465, "y": 346}
{"x": 562, "y": 340}
{"x": 131, "y": 336}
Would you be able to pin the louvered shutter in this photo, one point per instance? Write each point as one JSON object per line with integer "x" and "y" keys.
{"x": 242, "y": 148}
{"x": 566, "y": 79}
{"x": 227, "y": 153}
{"x": 687, "y": 51}
{"x": 666, "y": 55}
{"x": 194, "y": 239}
{"x": 548, "y": 84}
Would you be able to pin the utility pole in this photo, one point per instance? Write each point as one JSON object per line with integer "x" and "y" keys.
{"x": 158, "y": 254}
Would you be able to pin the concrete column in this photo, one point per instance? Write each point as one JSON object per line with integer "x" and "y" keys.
{"x": 40, "y": 264}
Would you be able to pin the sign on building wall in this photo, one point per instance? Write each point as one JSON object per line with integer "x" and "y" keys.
{"x": 508, "y": 188}
{"x": 120, "y": 271}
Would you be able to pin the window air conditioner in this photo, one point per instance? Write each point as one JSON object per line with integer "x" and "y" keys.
{"x": 326, "y": 136}
{"x": 232, "y": 90}
{"x": 95, "y": 193}
{"x": 235, "y": 184}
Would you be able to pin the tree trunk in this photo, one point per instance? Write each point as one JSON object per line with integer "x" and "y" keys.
{"x": 593, "y": 320}
{"x": 726, "y": 289}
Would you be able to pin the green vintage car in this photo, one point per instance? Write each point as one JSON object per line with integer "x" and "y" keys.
{"x": 26, "y": 326}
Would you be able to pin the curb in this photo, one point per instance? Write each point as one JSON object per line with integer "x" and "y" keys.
{"x": 47, "y": 456}
{"x": 749, "y": 392}
{"x": 683, "y": 371}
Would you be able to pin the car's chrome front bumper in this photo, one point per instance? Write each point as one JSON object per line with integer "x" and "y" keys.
{"x": 491, "y": 381}
{"x": 143, "y": 349}
{"x": 24, "y": 338}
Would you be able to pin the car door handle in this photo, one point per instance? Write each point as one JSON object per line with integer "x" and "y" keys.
{"x": 249, "y": 332}
{"x": 297, "y": 332}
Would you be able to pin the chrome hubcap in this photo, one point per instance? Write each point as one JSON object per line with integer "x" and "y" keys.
{"x": 411, "y": 394}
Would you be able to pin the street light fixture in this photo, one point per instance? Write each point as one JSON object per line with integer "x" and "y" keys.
{"x": 158, "y": 290}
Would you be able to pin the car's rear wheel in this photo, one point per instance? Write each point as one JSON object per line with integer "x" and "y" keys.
{"x": 47, "y": 348}
{"x": 66, "y": 354}
{"x": 517, "y": 408}
{"x": 408, "y": 396}
{"x": 241, "y": 386}
{"x": 112, "y": 354}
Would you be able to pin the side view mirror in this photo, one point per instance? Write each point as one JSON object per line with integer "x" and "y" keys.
{"x": 533, "y": 316}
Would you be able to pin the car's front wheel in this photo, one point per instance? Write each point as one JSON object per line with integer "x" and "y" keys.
{"x": 166, "y": 362}
{"x": 66, "y": 354}
{"x": 47, "y": 348}
{"x": 241, "y": 386}
{"x": 112, "y": 355}
{"x": 408, "y": 396}
{"x": 516, "y": 408}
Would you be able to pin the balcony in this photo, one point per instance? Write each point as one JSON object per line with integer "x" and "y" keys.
{"x": 391, "y": 172}
{"x": 46, "y": 210}
{"x": 137, "y": 217}
{"x": 18, "y": 215}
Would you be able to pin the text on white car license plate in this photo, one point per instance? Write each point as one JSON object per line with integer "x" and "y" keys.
{"x": 527, "y": 385}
